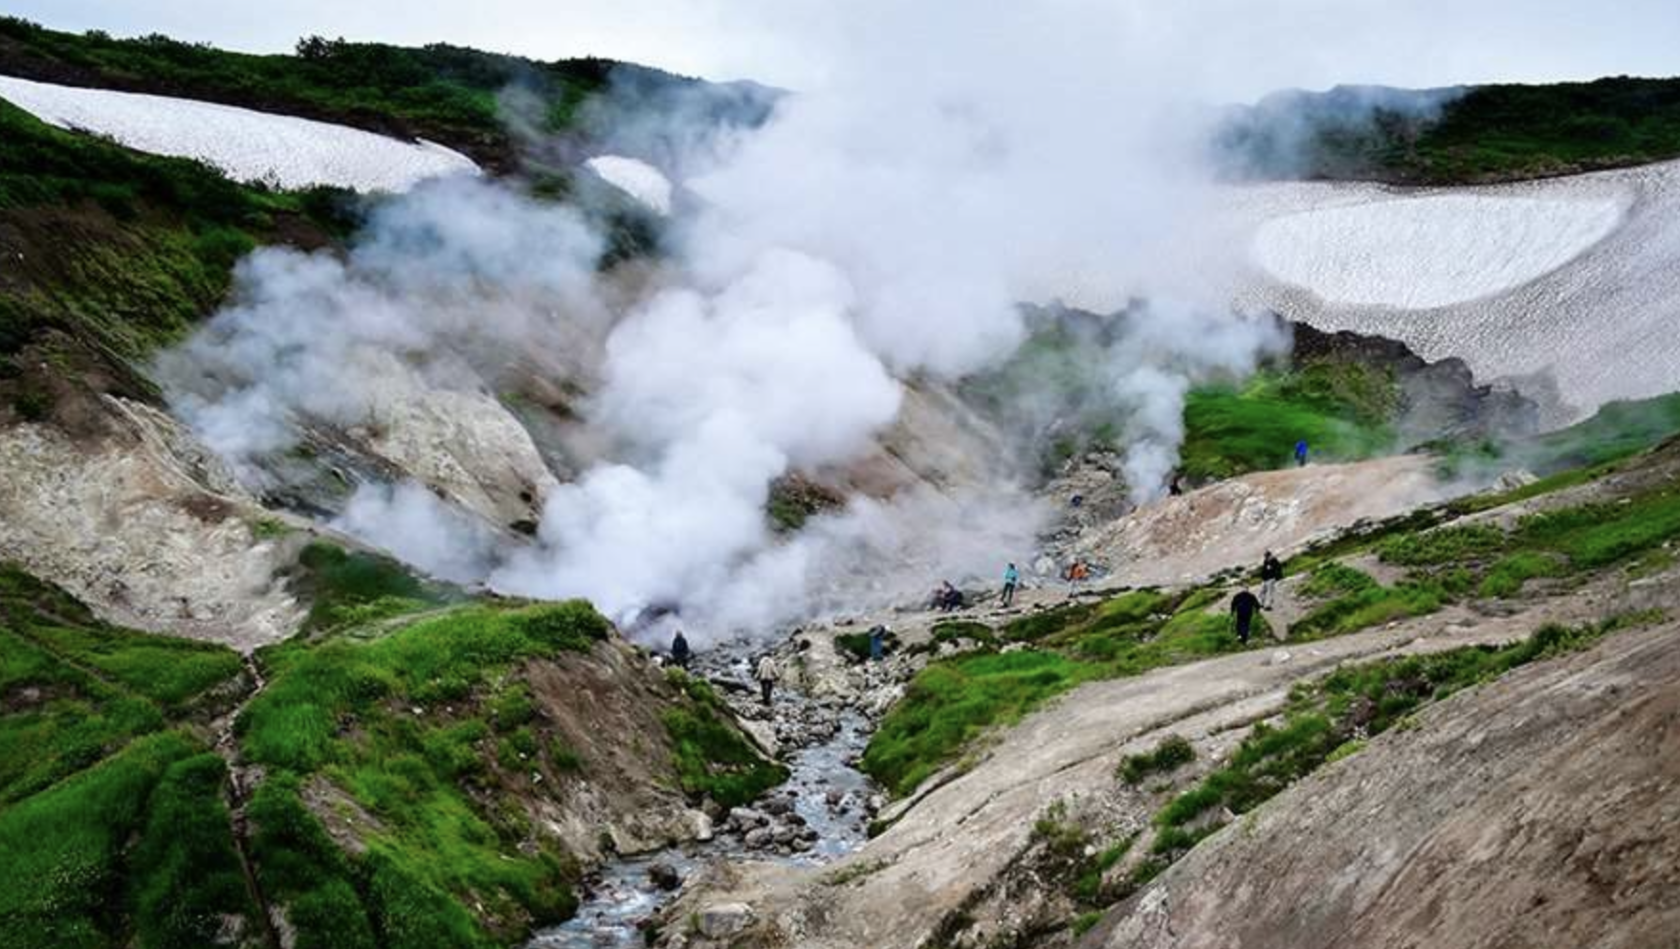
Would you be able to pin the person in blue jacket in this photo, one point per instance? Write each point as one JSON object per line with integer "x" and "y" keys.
{"x": 1011, "y": 580}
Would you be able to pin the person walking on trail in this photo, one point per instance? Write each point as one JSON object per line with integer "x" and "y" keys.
{"x": 1011, "y": 580}
{"x": 766, "y": 674}
{"x": 1271, "y": 571}
{"x": 1301, "y": 453}
{"x": 1243, "y": 607}
{"x": 680, "y": 652}
{"x": 877, "y": 643}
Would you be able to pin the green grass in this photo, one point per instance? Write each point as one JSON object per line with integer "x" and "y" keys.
{"x": 342, "y": 711}
{"x": 156, "y": 238}
{"x": 184, "y": 871}
{"x": 713, "y": 758}
{"x": 355, "y": 588}
{"x": 1170, "y": 754}
{"x": 1342, "y": 409}
{"x": 65, "y": 848}
{"x": 301, "y": 867}
{"x": 952, "y": 702}
{"x": 75, "y": 689}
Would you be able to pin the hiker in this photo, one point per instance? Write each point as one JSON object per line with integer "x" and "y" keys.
{"x": 680, "y": 652}
{"x": 1301, "y": 453}
{"x": 1175, "y": 487}
{"x": 1243, "y": 607}
{"x": 1077, "y": 572}
{"x": 947, "y": 598}
{"x": 877, "y": 643}
{"x": 1011, "y": 580}
{"x": 766, "y": 674}
{"x": 1271, "y": 571}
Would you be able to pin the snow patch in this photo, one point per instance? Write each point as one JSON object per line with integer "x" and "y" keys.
{"x": 1424, "y": 252}
{"x": 246, "y": 145}
{"x": 636, "y": 178}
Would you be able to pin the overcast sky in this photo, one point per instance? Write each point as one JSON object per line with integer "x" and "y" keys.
{"x": 1261, "y": 44}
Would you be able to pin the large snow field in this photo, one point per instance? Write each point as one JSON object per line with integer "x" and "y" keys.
{"x": 246, "y": 145}
{"x": 1432, "y": 250}
{"x": 636, "y": 178}
{"x": 1567, "y": 287}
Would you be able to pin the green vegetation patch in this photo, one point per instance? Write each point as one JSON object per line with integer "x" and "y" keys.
{"x": 408, "y": 725}
{"x": 126, "y": 251}
{"x": 66, "y": 850}
{"x": 73, "y": 689}
{"x": 1489, "y": 133}
{"x": 713, "y": 758}
{"x": 1169, "y": 754}
{"x": 354, "y": 588}
{"x": 1343, "y": 410}
{"x": 185, "y": 873}
{"x": 953, "y": 701}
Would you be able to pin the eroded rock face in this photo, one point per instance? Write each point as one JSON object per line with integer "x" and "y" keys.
{"x": 1537, "y": 810}
{"x": 607, "y": 708}
{"x": 146, "y": 528}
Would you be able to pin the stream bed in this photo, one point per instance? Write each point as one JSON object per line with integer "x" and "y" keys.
{"x": 827, "y": 792}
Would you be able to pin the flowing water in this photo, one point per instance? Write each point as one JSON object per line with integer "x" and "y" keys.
{"x": 622, "y": 894}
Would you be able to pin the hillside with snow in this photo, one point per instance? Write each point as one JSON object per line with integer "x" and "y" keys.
{"x": 1569, "y": 287}
{"x": 281, "y": 150}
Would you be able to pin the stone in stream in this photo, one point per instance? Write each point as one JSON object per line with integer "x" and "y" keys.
{"x": 722, "y": 920}
{"x": 664, "y": 876}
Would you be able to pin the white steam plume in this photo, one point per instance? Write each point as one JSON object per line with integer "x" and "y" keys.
{"x": 878, "y": 228}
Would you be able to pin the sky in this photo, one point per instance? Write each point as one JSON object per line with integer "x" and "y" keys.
{"x": 1267, "y": 44}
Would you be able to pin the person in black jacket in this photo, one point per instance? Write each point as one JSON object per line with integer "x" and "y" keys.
{"x": 1243, "y": 607}
{"x": 680, "y": 652}
{"x": 1271, "y": 571}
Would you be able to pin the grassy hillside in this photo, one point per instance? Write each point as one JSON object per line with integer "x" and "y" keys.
{"x": 405, "y": 749}
{"x": 448, "y": 94}
{"x": 111, "y": 806}
{"x": 1489, "y": 133}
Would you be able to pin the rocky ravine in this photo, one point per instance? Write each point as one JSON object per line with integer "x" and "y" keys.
{"x": 955, "y": 866}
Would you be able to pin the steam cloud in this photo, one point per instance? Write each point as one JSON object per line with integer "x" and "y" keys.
{"x": 876, "y": 231}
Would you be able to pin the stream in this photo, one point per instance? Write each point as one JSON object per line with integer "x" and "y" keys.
{"x": 622, "y": 894}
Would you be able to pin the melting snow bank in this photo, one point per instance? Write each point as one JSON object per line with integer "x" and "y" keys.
{"x": 1431, "y": 250}
{"x": 636, "y": 178}
{"x": 246, "y": 145}
{"x": 1567, "y": 287}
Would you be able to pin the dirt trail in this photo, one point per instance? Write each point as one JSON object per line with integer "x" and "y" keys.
{"x": 963, "y": 830}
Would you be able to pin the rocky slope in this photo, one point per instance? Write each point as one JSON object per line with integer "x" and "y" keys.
{"x": 1558, "y": 826}
{"x": 990, "y": 851}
